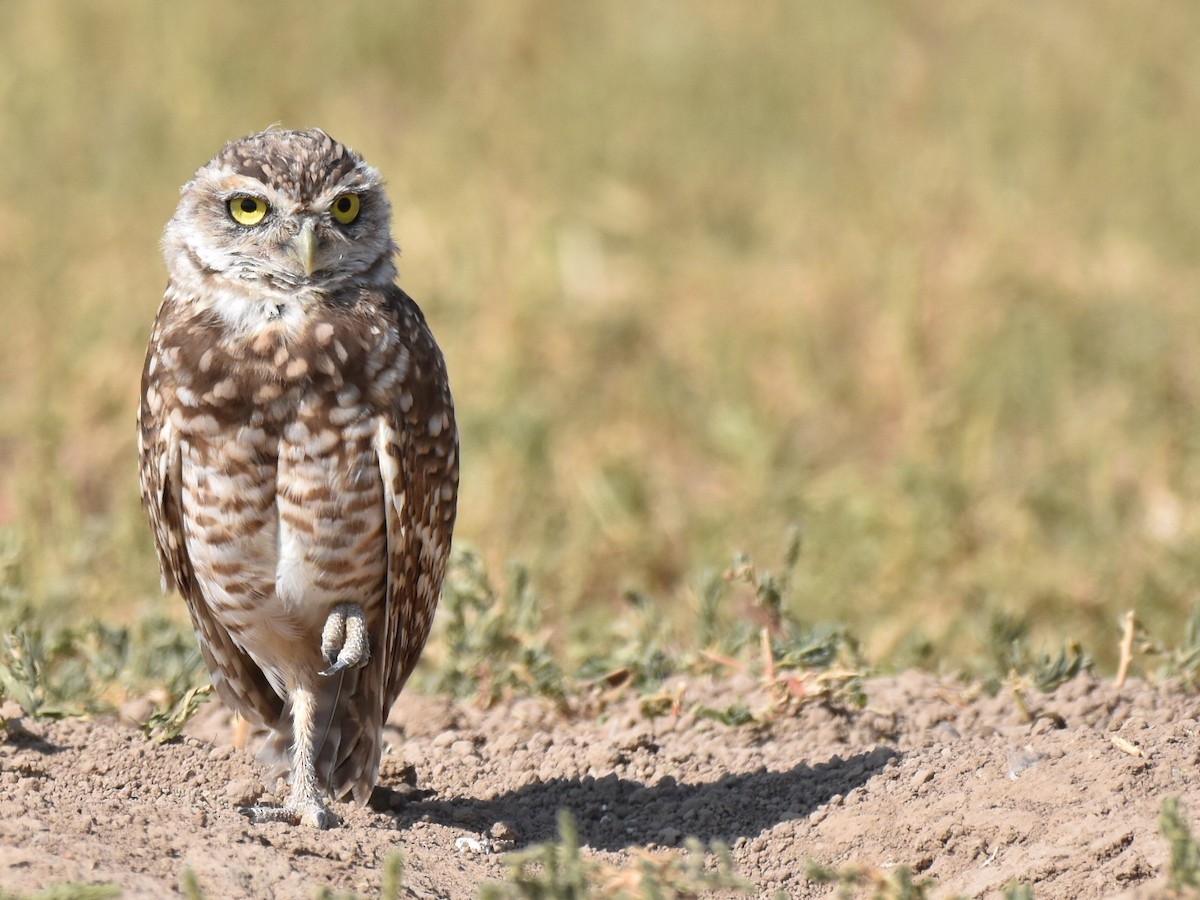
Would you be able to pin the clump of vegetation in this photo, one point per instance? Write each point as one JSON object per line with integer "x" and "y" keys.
{"x": 69, "y": 670}
{"x": 1180, "y": 660}
{"x": 1009, "y": 659}
{"x": 853, "y": 879}
{"x": 638, "y": 653}
{"x": 558, "y": 870}
{"x": 856, "y": 880}
{"x": 58, "y": 665}
{"x": 166, "y": 722}
{"x": 899, "y": 883}
{"x": 189, "y": 885}
{"x": 1184, "y": 868}
{"x": 69, "y": 891}
{"x": 391, "y": 882}
{"x": 798, "y": 661}
{"x": 492, "y": 643}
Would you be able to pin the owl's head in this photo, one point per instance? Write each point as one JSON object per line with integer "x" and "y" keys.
{"x": 281, "y": 214}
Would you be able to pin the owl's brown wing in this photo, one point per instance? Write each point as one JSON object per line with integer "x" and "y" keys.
{"x": 417, "y": 448}
{"x": 239, "y": 682}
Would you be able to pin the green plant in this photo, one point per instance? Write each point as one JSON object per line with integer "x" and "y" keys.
{"x": 189, "y": 885}
{"x": 69, "y": 891}
{"x": 897, "y": 884}
{"x": 23, "y": 675}
{"x": 1183, "y": 660}
{"x": 68, "y": 670}
{"x": 391, "y": 879}
{"x": 1011, "y": 660}
{"x": 637, "y": 651}
{"x": 799, "y": 662}
{"x": 166, "y": 722}
{"x": 493, "y": 641}
{"x": 558, "y": 870}
{"x": 1184, "y": 867}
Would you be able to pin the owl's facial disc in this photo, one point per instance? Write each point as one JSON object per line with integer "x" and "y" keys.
{"x": 282, "y": 215}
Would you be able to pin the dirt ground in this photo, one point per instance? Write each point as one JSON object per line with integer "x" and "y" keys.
{"x": 962, "y": 787}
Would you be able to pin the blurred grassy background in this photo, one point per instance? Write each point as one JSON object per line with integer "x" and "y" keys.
{"x": 920, "y": 277}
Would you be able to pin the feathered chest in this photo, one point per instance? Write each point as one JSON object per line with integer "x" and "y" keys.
{"x": 281, "y": 491}
{"x": 299, "y": 382}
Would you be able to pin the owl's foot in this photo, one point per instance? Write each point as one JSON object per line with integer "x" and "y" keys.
{"x": 344, "y": 641}
{"x": 312, "y": 814}
{"x": 304, "y": 805}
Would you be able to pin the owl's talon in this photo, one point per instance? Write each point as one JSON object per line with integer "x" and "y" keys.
{"x": 333, "y": 635}
{"x": 262, "y": 814}
{"x": 344, "y": 641}
{"x": 312, "y": 815}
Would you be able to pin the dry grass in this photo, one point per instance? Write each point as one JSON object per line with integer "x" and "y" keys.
{"x": 920, "y": 278}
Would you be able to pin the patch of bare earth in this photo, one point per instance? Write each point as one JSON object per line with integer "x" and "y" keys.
{"x": 969, "y": 790}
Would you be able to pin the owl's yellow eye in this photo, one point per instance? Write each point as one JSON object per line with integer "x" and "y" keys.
{"x": 247, "y": 210}
{"x": 345, "y": 208}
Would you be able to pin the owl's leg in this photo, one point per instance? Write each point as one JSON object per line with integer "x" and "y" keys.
{"x": 304, "y": 805}
{"x": 344, "y": 642}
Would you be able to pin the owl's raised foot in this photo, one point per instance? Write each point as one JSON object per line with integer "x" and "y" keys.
{"x": 344, "y": 642}
{"x": 312, "y": 815}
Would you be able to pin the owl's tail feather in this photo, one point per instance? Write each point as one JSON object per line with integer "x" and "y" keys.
{"x": 348, "y": 739}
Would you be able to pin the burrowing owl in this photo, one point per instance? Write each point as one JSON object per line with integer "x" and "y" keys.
{"x": 299, "y": 454}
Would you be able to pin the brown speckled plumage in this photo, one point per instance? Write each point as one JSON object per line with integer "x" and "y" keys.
{"x": 298, "y": 454}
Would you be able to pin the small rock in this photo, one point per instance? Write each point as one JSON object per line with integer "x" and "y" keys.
{"x": 243, "y": 792}
{"x": 505, "y": 743}
{"x": 603, "y": 757}
{"x": 503, "y": 831}
{"x": 920, "y": 777}
{"x": 467, "y": 844}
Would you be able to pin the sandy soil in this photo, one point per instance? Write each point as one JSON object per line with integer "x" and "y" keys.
{"x": 962, "y": 787}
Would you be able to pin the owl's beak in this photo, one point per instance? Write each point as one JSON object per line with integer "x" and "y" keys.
{"x": 304, "y": 246}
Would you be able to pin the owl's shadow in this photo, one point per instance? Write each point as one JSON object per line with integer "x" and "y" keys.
{"x": 614, "y": 813}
